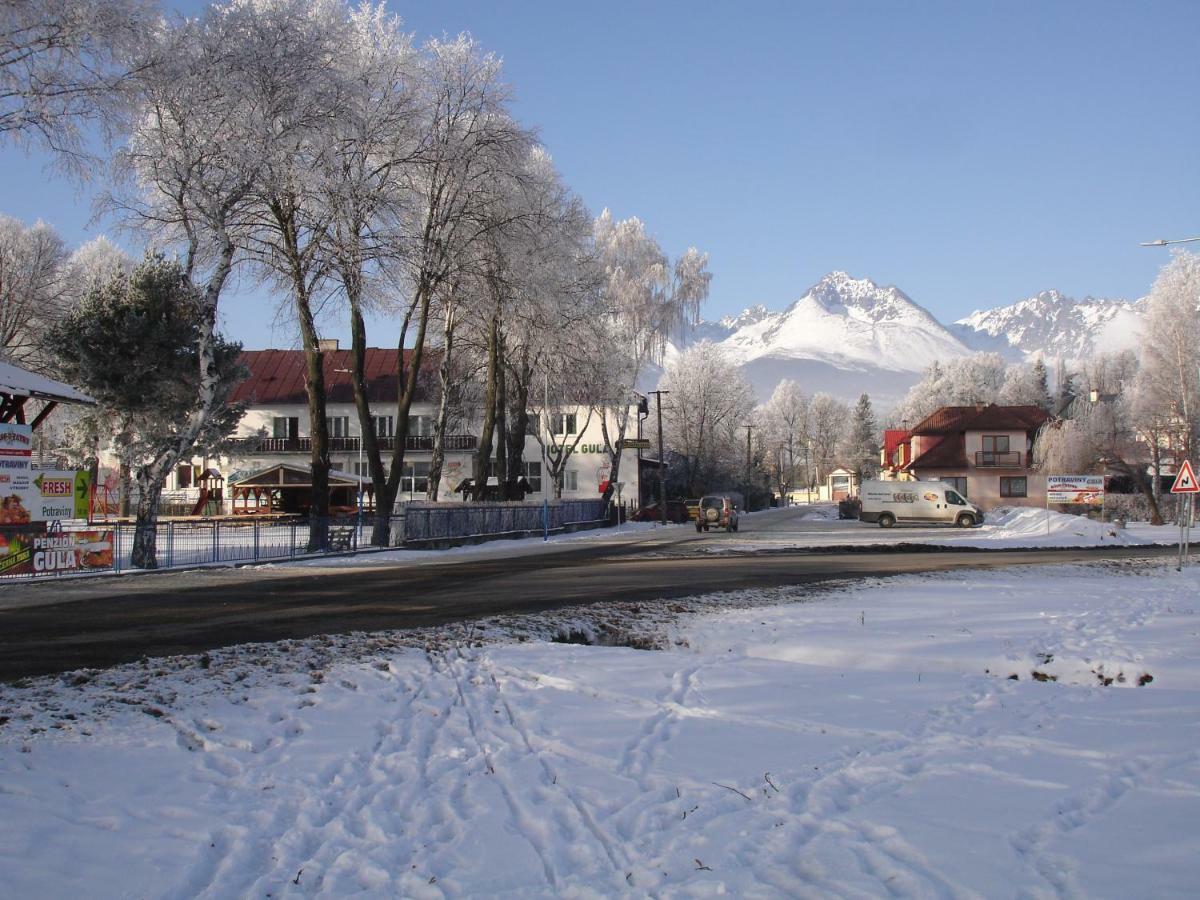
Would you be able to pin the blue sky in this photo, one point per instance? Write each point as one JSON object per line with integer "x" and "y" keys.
{"x": 970, "y": 153}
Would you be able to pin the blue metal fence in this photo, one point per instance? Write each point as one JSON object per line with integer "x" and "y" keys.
{"x": 442, "y": 522}
{"x": 252, "y": 539}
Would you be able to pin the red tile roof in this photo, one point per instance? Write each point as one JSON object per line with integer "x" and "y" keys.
{"x": 278, "y": 376}
{"x": 948, "y": 453}
{"x": 957, "y": 419}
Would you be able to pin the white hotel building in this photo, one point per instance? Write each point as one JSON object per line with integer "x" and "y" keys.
{"x": 274, "y": 431}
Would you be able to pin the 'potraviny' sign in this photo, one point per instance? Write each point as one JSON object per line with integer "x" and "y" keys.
{"x": 1082, "y": 489}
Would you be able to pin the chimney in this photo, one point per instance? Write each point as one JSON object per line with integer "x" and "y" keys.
{"x": 327, "y": 345}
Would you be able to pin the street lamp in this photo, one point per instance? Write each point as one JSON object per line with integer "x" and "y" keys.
{"x": 1162, "y": 242}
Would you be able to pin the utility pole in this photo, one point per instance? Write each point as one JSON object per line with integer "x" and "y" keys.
{"x": 748, "y": 427}
{"x": 662, "y": 484}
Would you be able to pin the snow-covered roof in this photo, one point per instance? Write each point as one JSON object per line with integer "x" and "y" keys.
{"x": 23, "y": 383}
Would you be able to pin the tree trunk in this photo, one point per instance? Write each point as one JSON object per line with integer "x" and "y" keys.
{"x": 438, "y": 459}
{"x": 318, "y": 428}
{"x": 407, "y": 378}
{"x": 145, "y": 533}
{"x": 483, "y": 454}
{"x": 502, "y": 424}
{"x": 517, "y": 430}
{"x": 358, "y": 361}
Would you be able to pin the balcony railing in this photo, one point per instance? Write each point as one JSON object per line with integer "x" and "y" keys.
{"x": 452, "y": 442}
{"x": 1007, "y": 459}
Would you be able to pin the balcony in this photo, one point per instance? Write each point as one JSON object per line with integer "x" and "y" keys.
{"x": 995, "y": 459}
{"x": 248, "y": 445}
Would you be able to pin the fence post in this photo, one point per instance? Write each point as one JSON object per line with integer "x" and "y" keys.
{"x": 545, "y": 518}
{"x": 254, "y": 525}
{"x": 170, "y": 545}
{"x": 292, "y": 542}
{"x": 216, "y": 541}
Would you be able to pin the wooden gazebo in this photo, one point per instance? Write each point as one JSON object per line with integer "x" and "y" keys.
{"x": 287, "y": 489}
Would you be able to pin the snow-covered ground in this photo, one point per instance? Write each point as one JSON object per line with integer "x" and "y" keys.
{"x": 1007, "y": 528}
{"x": 1025, "y": 733}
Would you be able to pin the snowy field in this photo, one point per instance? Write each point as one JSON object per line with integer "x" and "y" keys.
{"x": 1026, "y": 733}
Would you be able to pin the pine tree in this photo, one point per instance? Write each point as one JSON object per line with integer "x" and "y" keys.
{"x": 864, "y": 441}
{"x": 132, "y": 345}
{"x": 1040, "y": 378}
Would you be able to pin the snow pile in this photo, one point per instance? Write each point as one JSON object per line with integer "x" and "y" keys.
{"x": 1022, "y": 526}
{"x": 965, "y": 735}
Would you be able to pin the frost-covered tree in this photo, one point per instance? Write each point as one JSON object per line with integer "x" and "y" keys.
{"x": 1171, "y": 349}
{"x": 862, "y": 441}
{"x": 828, "y": 420}
{"x": 1025, "y": 384}
{"x": 298, "y": 96}
{"x": 33, "y": 287}
{"x": 64, "y": 63}
{"x": 647, "y": 300}
{"x": 785, "y": 426}
{"x": 959, "y": 382}
{"x": 131, "y": 344}
{"x": 710, "y": 403}
{"x": 1098, "y": 436}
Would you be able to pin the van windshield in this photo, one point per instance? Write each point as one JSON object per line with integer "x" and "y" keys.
{"x": 952, "y": 497}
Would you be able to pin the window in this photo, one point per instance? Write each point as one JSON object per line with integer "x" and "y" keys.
{"x": 959, "y": 485}
{"x": 995, "y": 443}
{"x": 1013, "y": 487}
{"x": 183, "y": 477}
{"x": 416, "y": 478}
{"x": 382, "y": 425}
{"x": 420, "y": 426}
{"x": 533, "y": 474}
{"x": 953, "y": 499}
{"x": 339, "y": 426}
{"x": 562, "y": 423}
{"x": 570, "y": 480}
{"x": 361, "y": 468}
{"x": 285, "y": 427}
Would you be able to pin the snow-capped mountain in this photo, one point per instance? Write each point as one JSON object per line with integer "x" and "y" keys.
{"x": 1053, "y": 325}
{"x": 849, "y": 335}
{"x": 844, "y": 335}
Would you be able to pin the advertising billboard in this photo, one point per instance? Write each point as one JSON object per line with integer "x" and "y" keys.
{"x": 33, "y": 551}
{"x": 27, "y": 495}
{"x": 1077, "y": 489}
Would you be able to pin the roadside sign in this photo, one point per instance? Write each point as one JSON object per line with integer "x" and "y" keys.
{"x": 1079, "y": 489}
{"x": 1185, "y": 481}
{"x": 635, "y": 444}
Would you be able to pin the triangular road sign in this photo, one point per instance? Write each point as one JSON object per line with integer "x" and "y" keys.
{"x": 1185, "y": 481}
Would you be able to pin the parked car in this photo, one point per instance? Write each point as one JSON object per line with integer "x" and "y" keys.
{"x": 717, "y": 511}
{"x": 677, "y": 511}
{"x": 927, "y": 502}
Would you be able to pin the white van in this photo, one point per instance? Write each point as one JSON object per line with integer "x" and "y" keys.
{"x": 927, "y": 502}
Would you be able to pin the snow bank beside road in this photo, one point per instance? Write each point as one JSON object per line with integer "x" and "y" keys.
{"x": 868, "y": 741}
{"x": 1021, "y": 526}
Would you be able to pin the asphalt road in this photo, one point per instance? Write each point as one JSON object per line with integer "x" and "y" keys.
{"x": 52, "y": 628}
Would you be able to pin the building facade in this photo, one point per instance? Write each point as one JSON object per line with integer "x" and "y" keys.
{"x": 275, "y": 431}
{"x": 984, "y": 451}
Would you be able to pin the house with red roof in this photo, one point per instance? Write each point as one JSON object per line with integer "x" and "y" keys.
{"x": 985, "y": 451}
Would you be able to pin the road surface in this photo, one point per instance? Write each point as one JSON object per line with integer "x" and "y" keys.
{"x": 57, "y": 627}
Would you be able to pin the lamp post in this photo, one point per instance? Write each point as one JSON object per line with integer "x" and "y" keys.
{"x": 662, "y": 486}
